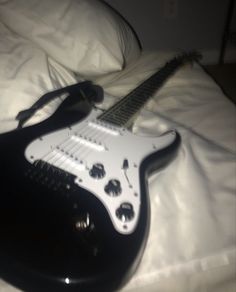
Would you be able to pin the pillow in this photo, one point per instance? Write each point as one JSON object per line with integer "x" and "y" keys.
{"x": 85, "y": 36}
{"x": 26, "y": 73}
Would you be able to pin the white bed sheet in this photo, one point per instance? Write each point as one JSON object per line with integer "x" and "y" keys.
{"x": 192, "y": 240}
{"x": 191, "y": 246}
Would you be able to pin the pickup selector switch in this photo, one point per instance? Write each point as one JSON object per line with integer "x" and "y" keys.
{"x": 97, "y": 171}
{"x": 125, "y": 212}
{"x": 113, "y": 188}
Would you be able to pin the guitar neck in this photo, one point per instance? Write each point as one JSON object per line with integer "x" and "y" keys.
{"x": 123, "y": 112}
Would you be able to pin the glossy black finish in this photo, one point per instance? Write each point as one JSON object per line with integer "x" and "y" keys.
{"x": 41, "y": 246}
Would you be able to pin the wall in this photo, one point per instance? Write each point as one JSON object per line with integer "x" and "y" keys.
{"x": 197, "y": 25}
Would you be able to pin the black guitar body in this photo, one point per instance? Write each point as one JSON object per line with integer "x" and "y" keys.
{"x": 55, "y": 234}
{"x": 42, "y": 247}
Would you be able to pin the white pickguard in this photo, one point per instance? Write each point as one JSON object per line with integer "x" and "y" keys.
{"x": 77, "y": 148}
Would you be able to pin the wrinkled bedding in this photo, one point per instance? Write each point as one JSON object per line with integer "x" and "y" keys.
{"x": 192, "y": 240}
{"x": 191, "y": 246}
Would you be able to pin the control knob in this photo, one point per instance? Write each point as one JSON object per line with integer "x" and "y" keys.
{"x": 97, "y": 171}
{"x": 113, "y": 188}
{"x": 125, "y": 212}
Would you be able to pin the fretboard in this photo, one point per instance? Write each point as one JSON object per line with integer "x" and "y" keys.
{"x": 123, "y": 112}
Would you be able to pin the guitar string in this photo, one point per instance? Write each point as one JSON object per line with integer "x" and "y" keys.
{"x": 123, "y": 115}
{"x": 49, "y": 155}
{"x": 120, "y": 103}
{"x": 100, "y": 138}
{"x": 53, "y": 156}
{"x": 85, "y": 151}
{"x": 117, "y": 113}
{"x": 92, "y": 135}
{"x": 144, "y": 88}
{"x": 52, "y": 152}
{"x": 68, "y": 145}
{"x": 72, "y": 144}
{"x": 161, "y": 75}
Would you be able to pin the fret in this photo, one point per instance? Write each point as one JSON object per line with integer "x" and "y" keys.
{"x": 121, "y": 111}
{"x": 138, "y": 98}
{"x": 127, "y": 111}
{"x": 128, "y": 107}
{"x": 122, "y": 117}
{"x": 133, "y": 102}
{"x": 117, "y": 121}
{"x": 118, "y": 118}
{"x": 124, "y": 110}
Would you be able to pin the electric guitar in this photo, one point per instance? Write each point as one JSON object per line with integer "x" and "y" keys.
{"x": 74, "y": 209}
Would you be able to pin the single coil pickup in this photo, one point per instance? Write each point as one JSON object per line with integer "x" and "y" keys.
{"x": 105, "y": 128}
{"x": 88, "y": 143}
{"x": 63, "y": 158}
